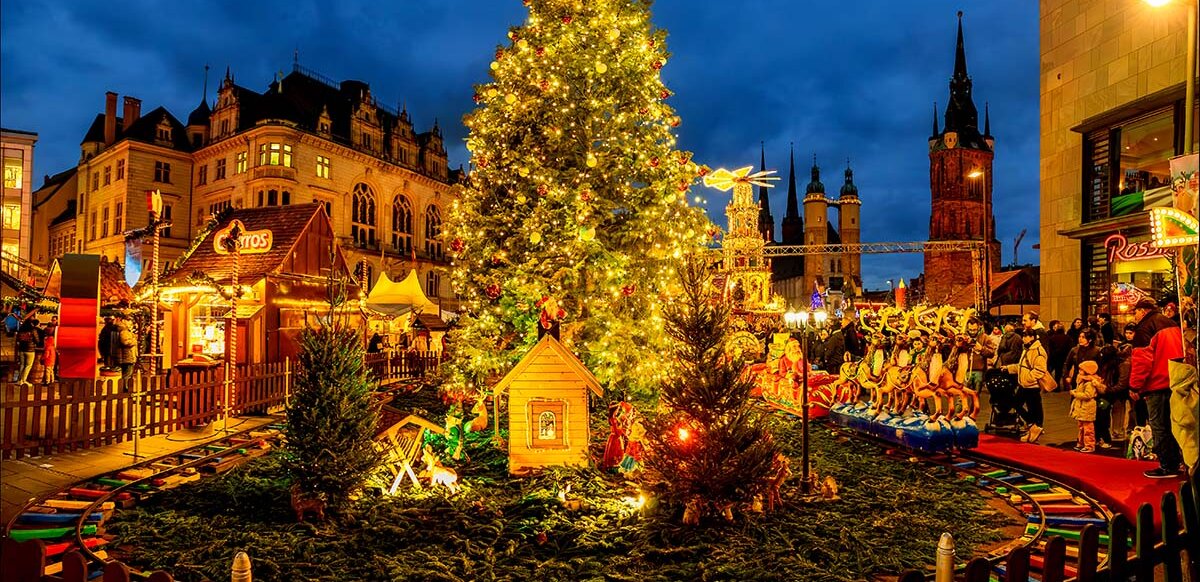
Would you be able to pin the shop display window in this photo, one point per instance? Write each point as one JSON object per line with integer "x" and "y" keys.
{"x": 206, "y": 330}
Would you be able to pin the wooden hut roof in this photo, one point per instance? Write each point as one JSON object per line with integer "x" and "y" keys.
{"x": 286, "y": 223}
{"x": 549, "y": 343}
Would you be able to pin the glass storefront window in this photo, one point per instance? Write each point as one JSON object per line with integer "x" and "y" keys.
{"x": 206, "y": 331}
{"x": 13, "y": 172}
{"x": 1147, "y": 146}
{"x": 12, "y": 217}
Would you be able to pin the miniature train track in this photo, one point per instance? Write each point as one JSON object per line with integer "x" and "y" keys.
{"x": 1050, "y": 507}
{"x": 74, "y": 518}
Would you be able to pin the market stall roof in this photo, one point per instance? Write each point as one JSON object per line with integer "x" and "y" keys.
{"x": 394, "y": 298}
{"x": 430, "y": 321}
{"x": 113, "y": 289}
{"x": 1016, "y": 287}
{"x": 288, "y": 225}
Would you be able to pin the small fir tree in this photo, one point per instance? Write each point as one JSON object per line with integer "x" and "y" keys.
{"x": 577, "y": 195}
{"x": 332, "y": 417}
{"x": 711, "y": 451}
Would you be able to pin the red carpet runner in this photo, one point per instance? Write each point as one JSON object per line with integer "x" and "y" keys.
{"x": 1116, "y": 482}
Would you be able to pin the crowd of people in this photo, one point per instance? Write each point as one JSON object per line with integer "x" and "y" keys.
{"x": 37, "y": 349}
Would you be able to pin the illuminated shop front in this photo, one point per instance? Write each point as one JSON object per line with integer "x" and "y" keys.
{"x": 282, "y": 274}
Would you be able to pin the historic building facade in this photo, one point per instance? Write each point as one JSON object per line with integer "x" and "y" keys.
{"x": 304, "y": 140}
{"x": 16, "y": 206}
{"x": 797, "y": 278}
{"x": 1112, "y": 110}
{"x": 960, "y": 184}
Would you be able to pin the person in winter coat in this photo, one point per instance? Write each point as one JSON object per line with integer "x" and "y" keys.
{"x": 853, "y": 343}
{"x": 834, "y": 352}
{"x": 49, "y": 351}
{"x": 1029, "y": 371}
{"x": 1083, "y": 405}
{"x": 27, "y": 340}
{"x": 1084, "y": 351}
{"x": 1058, "y": 344}
{"x": 1157, "y": 340}
{"x": 126, "y": 350}
{"x": 105, "y": 345}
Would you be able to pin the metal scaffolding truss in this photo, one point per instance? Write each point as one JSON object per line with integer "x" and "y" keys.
{"x": 874, "y": 248}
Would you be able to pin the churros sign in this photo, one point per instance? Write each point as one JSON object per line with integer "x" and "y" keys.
{"x": 251, "y": 241}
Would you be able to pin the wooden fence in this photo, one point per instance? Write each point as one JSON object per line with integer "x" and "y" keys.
{"x": 80, "y": 414}
{"x": 1134, "y": 550}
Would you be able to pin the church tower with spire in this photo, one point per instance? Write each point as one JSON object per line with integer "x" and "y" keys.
{"x": 849, "y": 207}
{"x": 816, "y": 232}
{"x": 960, "y": 183}
{"x": 766, "y": 222}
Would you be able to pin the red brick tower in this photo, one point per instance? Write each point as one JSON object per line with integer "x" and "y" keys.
{"x": 960, "y": 183}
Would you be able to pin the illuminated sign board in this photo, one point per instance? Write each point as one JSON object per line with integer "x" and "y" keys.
{"x": 251, "y": 242}
{"x": 1120, "y": 249}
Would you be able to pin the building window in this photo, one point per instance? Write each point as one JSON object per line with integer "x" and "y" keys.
{"x": 366, "y": 140}
{"x": 107, "y": 175}
{"x": 120, "y": 170}
{"x": 1126, "y": 166}
{"x": 362, "y": 274}
{"x": 164, "y": 133}
{"x": 275, "y": 155}
{"x": 118, "y": 221}
{"x": 547, "y": 423}
{"x": 93, "y": 228}
{"x": 224, "y": 127}
{"x": 220, "y": 173}
{"x": 216, "y": 207}
{"x": 433, "y": 282}
{"x": 239, "y": 163}
{"x": 362, "y": 227}
{"x": 202, "y": 176}
{"x": 12, "y": 217}
{"x": 324, "y": 128}
{"x": 14, "y": 171}
{"x": 95, "y": 181}
{"x": 323, "y": 167}
{"x": 162, "y": 172}
{"x": 433, "y": 232}
{"x": 104, "y": 222}
{"x": 166, "y": 210}
{"x": 547, "y": 426}
{"x": 402, "y": 224}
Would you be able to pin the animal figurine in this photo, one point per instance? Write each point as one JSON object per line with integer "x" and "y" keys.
{"x": 480, "y": 421}
{"x": 780, "y": 471}
{"x": 303, "y": 503}
{"x": 829, "y": 489}
{"x": 438, "y": 473}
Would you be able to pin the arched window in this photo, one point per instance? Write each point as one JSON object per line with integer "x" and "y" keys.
{"x": 433, "y": 231}
{"x": 402, "y": 224}
{"x": 547, "y": 426}
{"x": 363, "y": 273}
{"x": 362, "y": 228}
{"x": 433, "y": 282}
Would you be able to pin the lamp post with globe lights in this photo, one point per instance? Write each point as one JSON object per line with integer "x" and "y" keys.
{"x": 800, "y": 321}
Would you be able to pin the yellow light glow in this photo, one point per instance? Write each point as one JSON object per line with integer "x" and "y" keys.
{"x": 723, "y": 179}
{"x": 1172, "y": 227}
{"x": 684, "y": 434}
{"x": 975, "y": 174}
{"x": 1158, "y": 3}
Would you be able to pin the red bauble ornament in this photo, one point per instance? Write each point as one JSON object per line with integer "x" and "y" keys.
{"x": 683, "y": 186}
{"x": 545, "y": 85}
{"x": 628, "y": 290}
{"x": 664, "y": 94}
{"x": 702, "y": 171}
{"x": 585, "y": 196}
{"x": 675, "y": 121}
{"x": 499, "y": 54}
{"x": 481, "y": 162}
{"x": 493, "y": 290}
{"x": 477, "y": 97}
{"x": 650, "y": 42}
{"x": 654, "y": 162}
{"x": 457, "y": 245}
{"x": 657, "y": 65}
{"x": 644, "y": 110}
{"x": 542, "y": 189}
{"x": 566, "y": 20}
{"x": 541, "y": 51}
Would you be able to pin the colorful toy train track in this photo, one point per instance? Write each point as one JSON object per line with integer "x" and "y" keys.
{"x": 1049, "y": 507}
{"x": 73, "y": 519}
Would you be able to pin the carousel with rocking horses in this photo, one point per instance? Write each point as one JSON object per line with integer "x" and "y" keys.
{"x": 910, "y": 388}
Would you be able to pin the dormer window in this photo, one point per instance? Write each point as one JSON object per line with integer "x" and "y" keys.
{"x": 275, "y": 154}
{"x": 324, "y": 127}
{"x": 366, "y": 140}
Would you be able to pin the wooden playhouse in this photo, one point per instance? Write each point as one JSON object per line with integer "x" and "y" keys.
{"x": 548, "y": 408}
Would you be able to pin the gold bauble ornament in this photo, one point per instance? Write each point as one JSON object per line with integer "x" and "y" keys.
{"x": 510, "y": 98}
{"x": 495, "y": 65}
{"x": 535, "y": 238}
{"x": 601, "y": 68}
{"x": 492, "y": 92}
{"x": 591, "y": 161}
{"x": 521, "y": 199}
{"x": 614, "y": 34}
{"x": 524, "y": 172}
{"x": 522, "y": 43}
{"x": 587, "y": 233}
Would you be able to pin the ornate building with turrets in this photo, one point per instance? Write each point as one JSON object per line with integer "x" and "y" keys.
{"x": 798, "y": 278}
{"x": 960, "y": 183}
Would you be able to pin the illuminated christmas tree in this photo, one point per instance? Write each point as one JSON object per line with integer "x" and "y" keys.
{"x": 577, "y": 196}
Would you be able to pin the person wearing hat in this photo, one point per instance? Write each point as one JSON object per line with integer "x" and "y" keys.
{"x": 1157, "y": 340}
{"x": 1030, "y": 372}
{"x": 49, "y": 350}
{"x": 1088, "y": 386}
{"x": 107, "y": 343}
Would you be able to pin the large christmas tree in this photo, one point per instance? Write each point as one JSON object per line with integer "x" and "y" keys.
{"x": 577, "y": 195}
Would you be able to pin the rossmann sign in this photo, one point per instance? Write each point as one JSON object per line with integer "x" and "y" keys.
{"x": 251, "y": 241}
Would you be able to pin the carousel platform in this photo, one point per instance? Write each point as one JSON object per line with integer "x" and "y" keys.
{"x": 914, "y": 430}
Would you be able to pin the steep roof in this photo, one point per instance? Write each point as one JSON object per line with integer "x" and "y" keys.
{"x": 67, "y": 215}
{"x": 286, "y": 223}
{"x": 548, "y": 343}
{"x": 52, "y": 185}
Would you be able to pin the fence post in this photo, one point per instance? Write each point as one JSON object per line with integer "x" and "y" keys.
{"x": 1118, "y": 547}
{"x": 944, "y": 564}
{"x": 287, "y": 382}
{"x": 1191, "y": 519}
{"x": 241, "y": 568}
{"x": 24, "y": 561}
{"x": 1054, "y": 562}
{"x": 1170, "y": 537}
{"x": 1016, "y": 566}
{"x": 1144, "y": 568}
{"x": 1089, "y": 550}
{"x": 978, "y": 570}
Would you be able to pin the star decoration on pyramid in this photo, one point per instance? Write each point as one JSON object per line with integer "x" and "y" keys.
{"x": 723, "y": 179}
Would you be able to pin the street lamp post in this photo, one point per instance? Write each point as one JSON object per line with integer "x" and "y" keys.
{"x": 986, "y": 291}
{"x": 799, "y": 320}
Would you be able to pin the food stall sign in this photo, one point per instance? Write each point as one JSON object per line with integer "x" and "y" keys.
{"x": 252, "y": 241}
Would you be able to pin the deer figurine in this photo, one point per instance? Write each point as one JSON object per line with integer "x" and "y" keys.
{"x": 303, "y": 503}
{"x": 438, "y": 473}
{"x": 479, "y": 422}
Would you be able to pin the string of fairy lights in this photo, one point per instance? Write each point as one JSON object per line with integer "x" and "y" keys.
{"x": 576, "y": 192}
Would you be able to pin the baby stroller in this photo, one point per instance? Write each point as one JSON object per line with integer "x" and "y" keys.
{"x": 1002, "y": 396}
